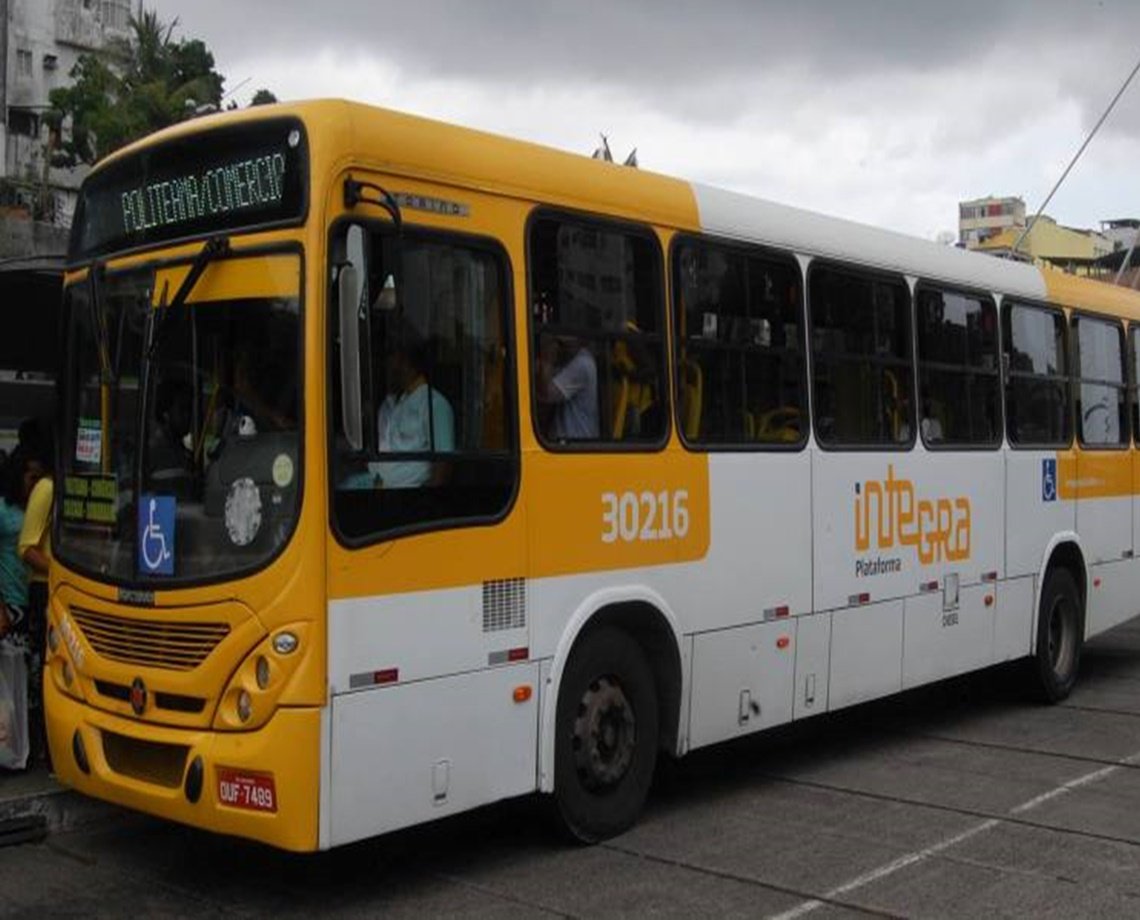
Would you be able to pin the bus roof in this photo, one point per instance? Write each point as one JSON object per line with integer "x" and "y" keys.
{"x": 464, "y": 157}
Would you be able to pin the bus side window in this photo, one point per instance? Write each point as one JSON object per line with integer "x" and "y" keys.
{"x": 863, "y": 378}
{"x": 1038, "y": 391}
{"x": 959, "y": 397}
{"x": 1102, "y": 419}
{"x": 740, "y": 356}
{"x": 598, "y": 327}
{"x": 436, "y": 401}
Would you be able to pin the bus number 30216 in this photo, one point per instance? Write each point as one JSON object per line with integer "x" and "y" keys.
{"x": 633, "y": 516}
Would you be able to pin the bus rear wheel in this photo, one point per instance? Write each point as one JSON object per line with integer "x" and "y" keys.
{"x": 1060, "y": 625}
{"x": 606, "y": 743}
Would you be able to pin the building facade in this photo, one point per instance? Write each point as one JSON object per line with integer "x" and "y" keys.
{"x": 40, "y": 42}
{"x": 1047, "y": 242}
{"x": 984, "y": 218}
{"x": 1122, "y": 232}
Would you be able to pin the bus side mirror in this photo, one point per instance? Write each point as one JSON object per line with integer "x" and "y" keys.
{"x": 349, "y": 305}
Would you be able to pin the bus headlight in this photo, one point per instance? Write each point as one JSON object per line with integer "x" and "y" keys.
{"x": 251, "y": 696}
{"x": 64, "y": 657}
{"x": 285, "y": 642}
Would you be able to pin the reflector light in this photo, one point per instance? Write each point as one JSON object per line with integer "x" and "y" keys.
{"x": 518, "y": 654}
{"x": 783, "y": 642}
{"x": 989, "y": 576}
{"x": 865, "y": 597}
{"x": 386, "y": 676}
{"x": 928, "y": 586}
{"x": 989, "y": 600}
{"x": 522, "y": 693}
{"x": 1096, "y": 582}
{"x": 782, "y": 610}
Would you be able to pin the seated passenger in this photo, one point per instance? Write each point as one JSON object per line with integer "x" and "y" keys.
{"x": 566, "y": 379}
{"x": 406, "y": 424}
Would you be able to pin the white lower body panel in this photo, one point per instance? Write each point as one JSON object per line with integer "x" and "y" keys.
{"x": 406, "y": 754}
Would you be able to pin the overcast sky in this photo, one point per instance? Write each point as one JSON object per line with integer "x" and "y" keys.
{"x": 882, "y": 111}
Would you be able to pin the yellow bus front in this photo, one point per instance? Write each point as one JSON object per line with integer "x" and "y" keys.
{"x": 185, "y": 669}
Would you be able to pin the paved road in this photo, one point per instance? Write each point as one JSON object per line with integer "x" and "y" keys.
{"x": 961, "y": 800}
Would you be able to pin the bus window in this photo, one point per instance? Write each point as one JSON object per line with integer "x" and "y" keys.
{"x": 599, "y": 344}
{"x": 1133, "y": 357}
{"x": 1101, "y": 408}
{"x": 959, "y": 390}
{"x": 433, "y": 390}
{"x": 741, "y": 379}
{"x": 862, "y": 379}
{"x": 1037, "y": 389}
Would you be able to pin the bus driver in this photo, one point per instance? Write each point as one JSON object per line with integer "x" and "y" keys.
{"x": 405, "y": 424}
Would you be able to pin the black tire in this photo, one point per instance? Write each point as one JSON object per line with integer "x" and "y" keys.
{"x": 605, "y": 745}
{"x": 1060, "y": 635}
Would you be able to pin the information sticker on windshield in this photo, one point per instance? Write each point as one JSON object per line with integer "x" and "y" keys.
{"x": 156, "y": 534}
{"x": 89, "y": 441}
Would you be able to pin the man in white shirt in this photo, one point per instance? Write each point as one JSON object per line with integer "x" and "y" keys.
{"x": 571, "y": 389}
{"x": 414, "y": 418}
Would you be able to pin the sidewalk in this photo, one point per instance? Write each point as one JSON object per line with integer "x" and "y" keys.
{"x": 33, "y": 805}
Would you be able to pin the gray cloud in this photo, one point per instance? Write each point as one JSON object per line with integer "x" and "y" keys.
{"x": 831, "y": 104}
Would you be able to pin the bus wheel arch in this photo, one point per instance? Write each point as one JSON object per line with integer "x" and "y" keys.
{"x": 651, "y": 629}
{"x": 1060, "y": 621}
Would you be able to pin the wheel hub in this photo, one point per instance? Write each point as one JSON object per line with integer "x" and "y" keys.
{"x": 1060, "y": 637}
{"x": 605, "y": 734}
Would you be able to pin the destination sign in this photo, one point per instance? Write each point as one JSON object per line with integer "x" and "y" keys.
{"x": 236, "y": 177}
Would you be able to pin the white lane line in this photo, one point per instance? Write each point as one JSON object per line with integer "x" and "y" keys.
{"x": 919, "y": 855}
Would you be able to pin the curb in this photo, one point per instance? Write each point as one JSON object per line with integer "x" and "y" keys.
{"x": 33, "y": 817}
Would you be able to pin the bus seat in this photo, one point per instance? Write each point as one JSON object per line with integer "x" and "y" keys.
{"x": 620, "y": 407}
{"x": 779, "y": 426}
{"x": 692, "y": 394}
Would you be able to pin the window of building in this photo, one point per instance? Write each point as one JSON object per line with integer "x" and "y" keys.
{"x": 598, "y": 327}
{"x": 23, "y": 122}
{"x": 862, "y": 378}
{"x": 1037, "y": 388}
{"x": 959, "y": 387}
{"x": 423, "y": 429}
{"x": 1102, "y": 413}
{"x": 23, "y": 62}
{"x": 740, "y": 353}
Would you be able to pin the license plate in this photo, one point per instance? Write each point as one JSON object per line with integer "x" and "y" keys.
{"x": 243, "y": 789}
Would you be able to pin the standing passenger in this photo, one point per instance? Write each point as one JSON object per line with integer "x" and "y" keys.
{"x": 35, "y": 550}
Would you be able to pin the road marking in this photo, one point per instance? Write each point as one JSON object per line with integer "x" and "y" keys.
{"x": 919, "y": 855}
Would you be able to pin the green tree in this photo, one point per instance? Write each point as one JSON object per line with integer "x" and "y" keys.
{"x": 263, "y": 97}
{"x": 148, "y": 81}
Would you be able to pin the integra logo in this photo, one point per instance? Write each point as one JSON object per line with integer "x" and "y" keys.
{"x": 890, "y": 513}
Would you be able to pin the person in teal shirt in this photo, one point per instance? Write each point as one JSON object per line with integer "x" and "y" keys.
{"x": 20, "y": 474}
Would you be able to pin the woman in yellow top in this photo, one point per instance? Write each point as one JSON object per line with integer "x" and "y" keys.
{"x": 34, "y": 548}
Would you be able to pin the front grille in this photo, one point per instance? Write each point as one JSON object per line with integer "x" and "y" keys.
{"x": 149, "y": 761}
{"x": 175, "y": 702}
{"x": 154, "y": 643}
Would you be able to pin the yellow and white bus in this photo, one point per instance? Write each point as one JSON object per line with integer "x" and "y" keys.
{"x": 405, "y": 469}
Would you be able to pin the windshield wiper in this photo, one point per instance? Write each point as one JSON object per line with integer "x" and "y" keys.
{"x": 213, "y": 248}
{"x": 99, "y": 322}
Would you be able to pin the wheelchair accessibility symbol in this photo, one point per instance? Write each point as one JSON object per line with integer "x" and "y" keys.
{"x": 1048, "y": 480}
{"x": 156, "y": 534}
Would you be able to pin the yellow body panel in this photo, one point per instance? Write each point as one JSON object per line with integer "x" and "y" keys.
{"x": 288, "y": 747}
{"x": 1094, "y": 296}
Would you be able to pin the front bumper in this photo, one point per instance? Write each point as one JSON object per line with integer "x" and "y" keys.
{"x": 160, "y": 759}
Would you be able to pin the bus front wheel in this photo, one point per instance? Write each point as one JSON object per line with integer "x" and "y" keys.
{"x": 606, "y": 744}
{"x": 1059, "y": 636}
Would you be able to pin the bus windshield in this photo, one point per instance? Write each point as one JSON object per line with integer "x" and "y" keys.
{"x": 180, "y": 420}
